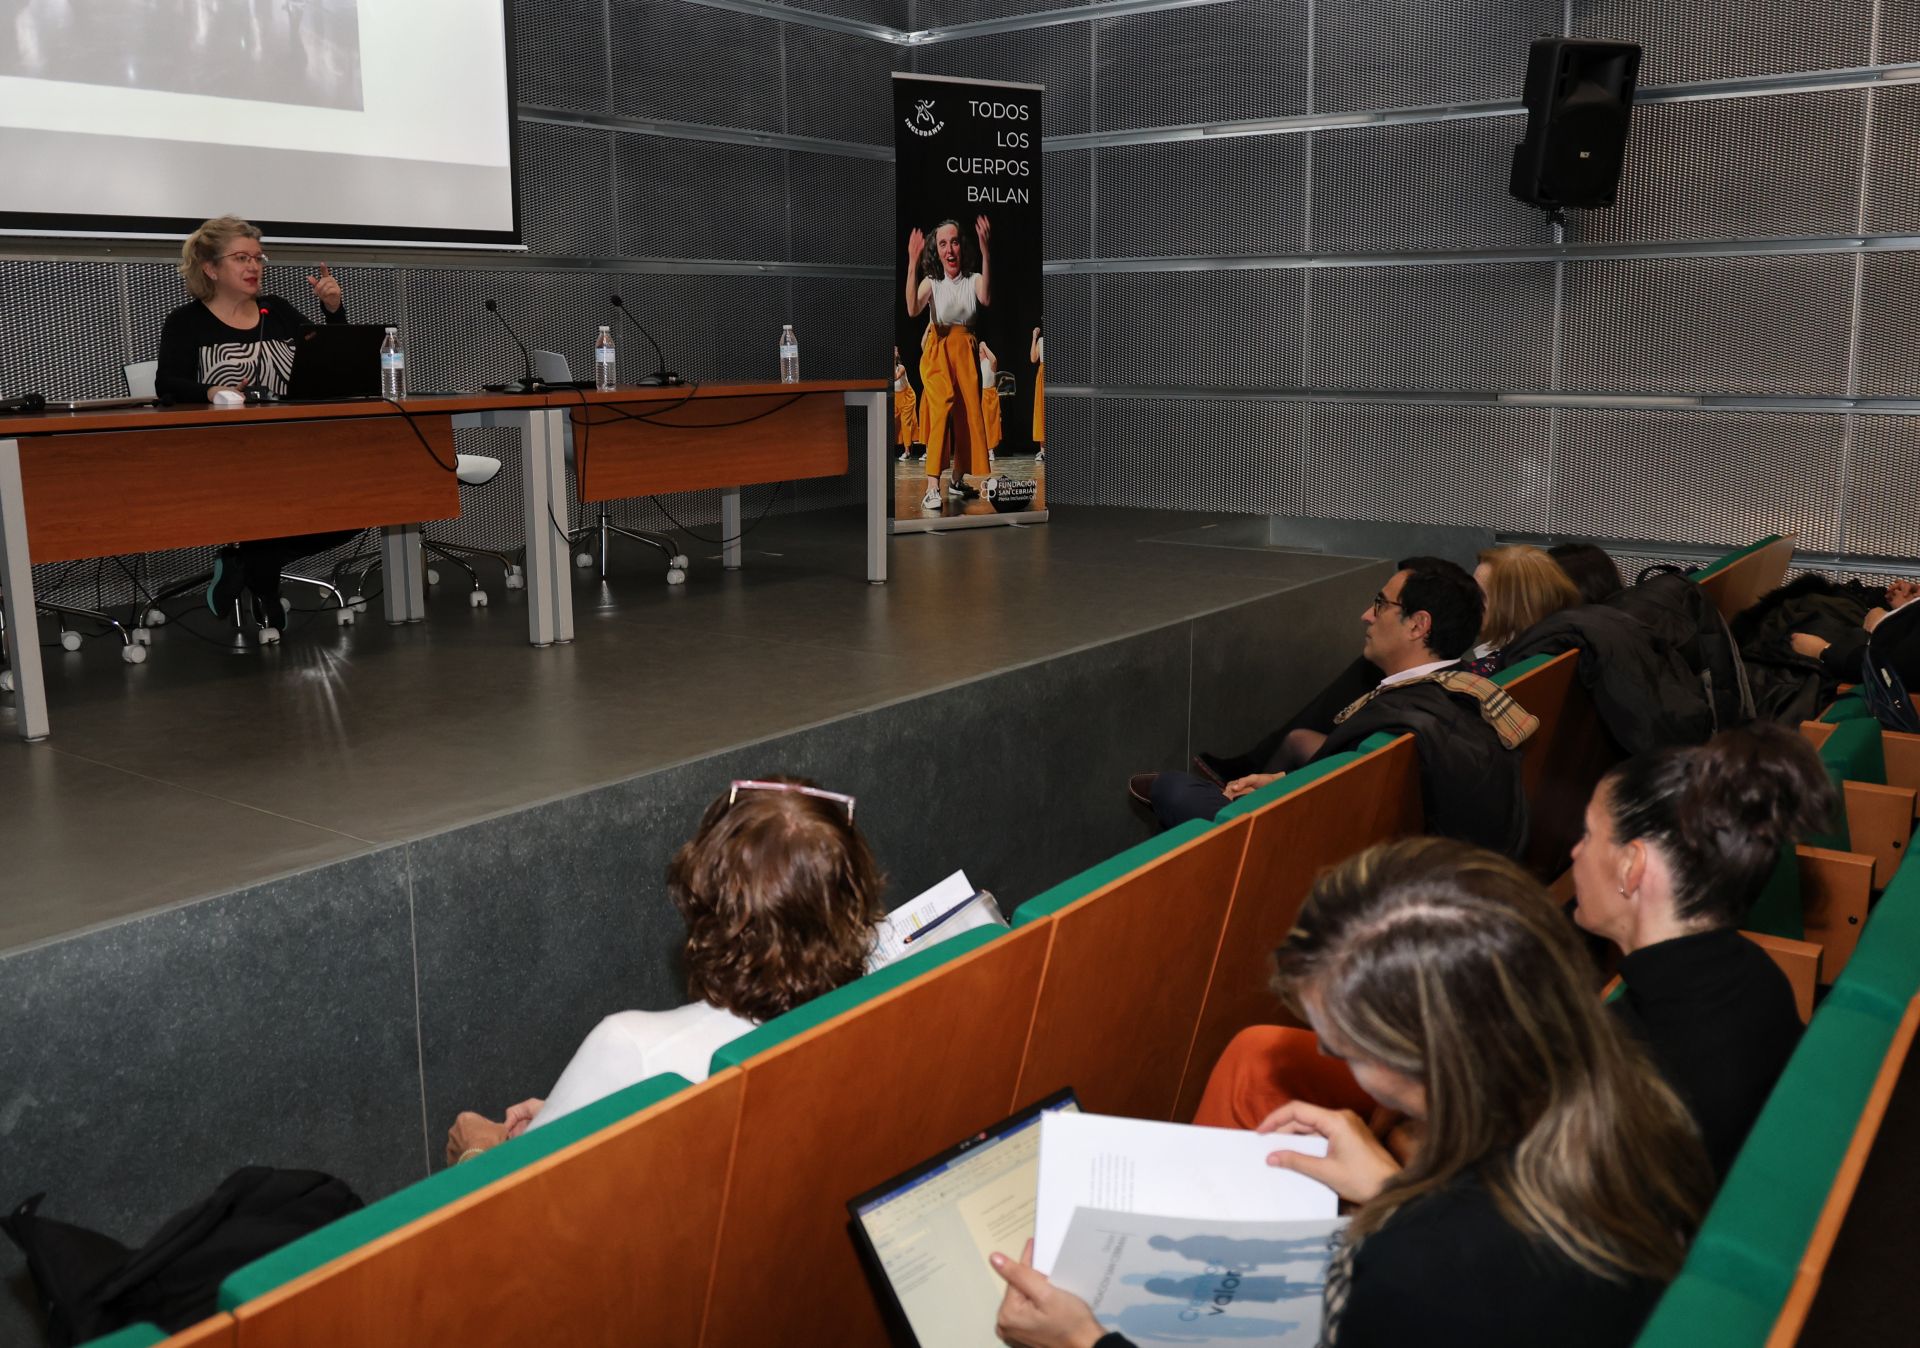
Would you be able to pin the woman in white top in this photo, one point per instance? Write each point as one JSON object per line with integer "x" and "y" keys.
{"x": 990, "y": 398}
{"x": 780, "y": 895}
{"x": 937, "y": 279}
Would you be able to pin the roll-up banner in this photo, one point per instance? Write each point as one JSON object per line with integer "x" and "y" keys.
{"x": 969, "y": 357}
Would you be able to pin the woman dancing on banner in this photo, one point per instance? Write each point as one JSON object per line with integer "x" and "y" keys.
{"x": 990, "y": 399}
{"x": 1037, "y": 353}
{"x": 906, "y": 412}
{"x": 949, "y": 365}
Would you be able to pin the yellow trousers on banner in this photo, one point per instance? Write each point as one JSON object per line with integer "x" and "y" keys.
{"x": 990, "y": 413}
{"x": 950, "y": 378}
{"x": 1040, "y": 403}
{"x": 905, "y": 418}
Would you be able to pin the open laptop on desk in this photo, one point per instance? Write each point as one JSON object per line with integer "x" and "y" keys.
{"x": 336, "y": 362}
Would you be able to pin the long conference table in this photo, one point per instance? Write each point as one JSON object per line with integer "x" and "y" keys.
{"x": 111, "y": 482}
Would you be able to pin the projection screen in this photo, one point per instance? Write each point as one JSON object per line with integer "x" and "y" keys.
{"x": 370, "y": 121}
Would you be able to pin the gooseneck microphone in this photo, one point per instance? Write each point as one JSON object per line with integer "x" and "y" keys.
{"x": 527, "y": 383}
{"x": 660, "y": 376}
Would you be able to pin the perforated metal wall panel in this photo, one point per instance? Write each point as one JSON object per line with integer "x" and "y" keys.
{"x": 1737, "y": 168}
{"x": 1235, "y": 196}
{"x": 68, "y": 359}
{"x": 689, "y": 63}
{"x": 1487, "y": 328}
{"x": 1478, "y": 467}
{"x": 1881, "y": 516}
{"x": 1899, "y": 35}
{"x": 699, "y": 199}
{"x": 886, "y": 13}
{"x": 840, "y": 87}
{"x": 1066, "y": 226}
{"x": 151, "y": 291}
{"x": 560, "y": 54}
{"x": 1759, "y": 325}
{"x": 566, "y": 190}
{"x": 842, "y": 327}
{"x": 842, "y": 209}
{"x": 1893, "y": 194}
{"x": 943, "y": 13}
{"x": 1889, "y": 299}
{"x": 1721, "y": 39}
{"x": 1403, "y": 53}
{"x": 1198, "y": 329}
{"x": 1172, "y": 454}
{"x": 1071, "y": 465}
{"x": 1420, "y": 187}
{"x": 1069, "y": 328}
{"x": 1218, "y": 63}
{"x": 1060, "y": 57}
{"x": 1722, "y": 478}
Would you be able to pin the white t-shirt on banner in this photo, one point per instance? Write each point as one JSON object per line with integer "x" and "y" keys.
{"x": 629, "y": 1046}
{"x": 954, "y": 300}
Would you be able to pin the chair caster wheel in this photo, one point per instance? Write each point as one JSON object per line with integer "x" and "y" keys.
{"x": 357, "y": 604}
{"x": 433, "y": 576}
{"x": 286, "y": 604}
{"x": 269, "y": 636}
{"x": 142, "y": 637}
{"x": 154, "y": 618}
{"x": 678, "y": 561}
{"x": 134, "y": 655}
{"x": 516, "y": 578}
{"x": 675, "y": 576}
{"x": 583, "y": 559}
{"x": 343, "y": 616}
{"x": 69, "y": 641}
{"x": 478, "y": 599}
{"x": 6, "y": 681}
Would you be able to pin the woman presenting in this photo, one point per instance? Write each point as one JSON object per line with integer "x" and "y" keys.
{"x": 231, "y": 336}
{"x": 949, "y": 372}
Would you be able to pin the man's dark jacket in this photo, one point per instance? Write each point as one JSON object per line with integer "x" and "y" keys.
{"x": 1469, "y": 783}
{"x": 1642, "y": 689}
{"x": 1788, "y": 687}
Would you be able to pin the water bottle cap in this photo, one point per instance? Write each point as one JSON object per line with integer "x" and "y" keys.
{"x": 393, "y": 329}
{"x": 605, "y": 326}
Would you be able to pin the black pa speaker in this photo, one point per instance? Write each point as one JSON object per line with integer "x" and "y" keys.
{"x": 1579, "y": 96}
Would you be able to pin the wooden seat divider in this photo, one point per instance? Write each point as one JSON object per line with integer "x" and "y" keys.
{"x": 1562, "y": 761}
{"x": 214, "y": 1332}
{"x": 1126, "y": 978}
{"x": 1799, "y": 961}
{"x": 1737, "y": 581}
{"x": 837, "y": 1109}
{"x": 607, "y": 1241}
{"x": 1292, "y": 839}
{"x": 1879, "y": 817}
{"x": 1835, "y": 891}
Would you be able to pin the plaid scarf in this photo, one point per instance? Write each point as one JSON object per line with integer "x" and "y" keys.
{"x": 1513, "y": 723}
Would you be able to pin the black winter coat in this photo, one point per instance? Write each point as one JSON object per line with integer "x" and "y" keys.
{"x": 1645, "y": 695}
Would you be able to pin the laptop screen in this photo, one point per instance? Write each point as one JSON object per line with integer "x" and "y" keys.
{"x": 930, "y": 1230}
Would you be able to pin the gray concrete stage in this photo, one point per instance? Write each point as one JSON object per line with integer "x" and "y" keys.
{"x": 298, "y": 907}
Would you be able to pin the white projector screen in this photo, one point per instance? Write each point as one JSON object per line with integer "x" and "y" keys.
{"x": 372, "y": 121}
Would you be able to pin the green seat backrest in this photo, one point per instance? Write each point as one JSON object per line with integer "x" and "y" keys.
{"x": 830, "y": 1004}
{"x": 1077, "y": 887}
{"x": 1883, "y": 974}
{"x": 133, "y": 1336}
{"x": 1851, "y": 707}
{"x": 415, "y": 1201}
{"x": 1287, "y": 785}
{"x": 1525, "y": 667}
{"x": 1780, "y": 910}
{"x": 1852, "y": 753}
{"x": 1696, "y": 1313}
{"x": 1723, "y": 563}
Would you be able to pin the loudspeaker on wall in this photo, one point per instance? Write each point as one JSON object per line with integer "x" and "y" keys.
{"x": 1579, "y": 97}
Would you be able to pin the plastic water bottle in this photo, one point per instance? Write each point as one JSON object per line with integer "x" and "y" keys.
{"x": 789, "y": 356}
{"x": 393, "y": 367}
{"x": 603, "y": 359}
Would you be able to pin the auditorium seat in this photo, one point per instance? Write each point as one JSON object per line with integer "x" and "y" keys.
{"x": 214, "y": 1332}
{"x": 1879, "y": 817}
{"x": 1071, "y": 890}
{"x": 1736, "y": 581}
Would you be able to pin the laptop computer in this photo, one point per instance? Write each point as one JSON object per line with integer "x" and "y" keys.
{"x": 925, "y": 1235}
{"x": 336, "y": 361}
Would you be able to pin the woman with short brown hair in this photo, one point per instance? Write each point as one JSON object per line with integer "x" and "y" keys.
{"x": 780, "y": 895}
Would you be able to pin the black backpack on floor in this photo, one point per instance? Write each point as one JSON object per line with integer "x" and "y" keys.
{"x": 90, "y": 1284}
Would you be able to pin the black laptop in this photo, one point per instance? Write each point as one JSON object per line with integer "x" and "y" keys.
{"x": 335, "y": 362}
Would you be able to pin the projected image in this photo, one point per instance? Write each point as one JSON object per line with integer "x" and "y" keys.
{"x": 304, "y": 52}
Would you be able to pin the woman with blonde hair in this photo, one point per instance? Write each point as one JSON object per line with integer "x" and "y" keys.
{"x": 1559, "y": 1179}
{"x": 1523, "y": 585}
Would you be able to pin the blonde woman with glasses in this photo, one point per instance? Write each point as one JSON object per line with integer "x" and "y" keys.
{"x": 1558, "y": 1180}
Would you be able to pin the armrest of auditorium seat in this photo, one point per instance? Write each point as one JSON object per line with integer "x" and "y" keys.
{"x": 1799, "y": 961}
{"x": 1835, "y": 889}
{"x": 864, "y": 989}
{"x": 1106, "y": 872}
{"x": 389, "y": 1214}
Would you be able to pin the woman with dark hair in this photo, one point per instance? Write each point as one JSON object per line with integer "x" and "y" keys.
{"x": 1559, "y": 1178}
{"x": 1590, "y": 568}
{"x": 780, "y": 896}
{"x": 1678, "y": 845}
{"x": 939, "y": 284}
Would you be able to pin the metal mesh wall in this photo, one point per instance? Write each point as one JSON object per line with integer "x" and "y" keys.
{"x": 1432, "y": 328}
{"x": 1230, "y": 61}
{"x": 1406, "y": 53}
{"x": 1420, "y": 187}
{"x": 1476, "y": 467}
{"x": 1245, "y": 198}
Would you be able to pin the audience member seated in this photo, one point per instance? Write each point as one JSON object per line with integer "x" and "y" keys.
{"x": 1591, "y": 569}
{"x": 1467, "y": 729}
{"x": 1678, "y": 846}
{"x": 1805, "y": 639}
{"x": 1522, "y": 586}
{"x": 1559, "y": 1178}
{"x": 780, "y": 897}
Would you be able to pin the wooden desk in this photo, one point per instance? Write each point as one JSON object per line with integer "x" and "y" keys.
{"x": 96, "y": 484}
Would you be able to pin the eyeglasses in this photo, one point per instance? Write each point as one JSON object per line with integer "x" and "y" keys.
{"x": 733, "y": 793}
{"x": 1381, "y": 602}
{"x": 260, "y": 258}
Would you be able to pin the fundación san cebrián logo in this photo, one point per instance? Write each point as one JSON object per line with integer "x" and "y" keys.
{"x": 924, "y": 121}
